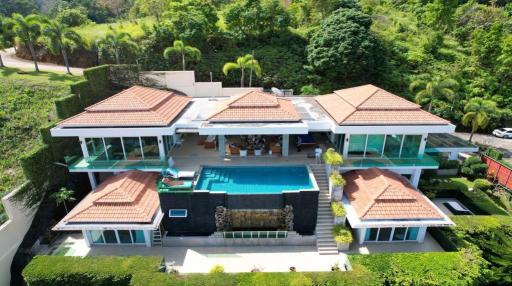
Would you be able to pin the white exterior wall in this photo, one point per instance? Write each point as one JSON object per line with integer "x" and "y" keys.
{"x": 12, "y": 233}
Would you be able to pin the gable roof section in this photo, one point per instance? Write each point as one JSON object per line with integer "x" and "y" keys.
{"x": 382, "y": 194}
{"x": 370, "y": 105}
{"x": 255, "y": 106}
{"x": 129, "y": 197}
{"x": 134, "y": 107}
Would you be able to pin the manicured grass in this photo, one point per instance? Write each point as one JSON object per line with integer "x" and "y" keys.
{"x": 469, "y": 184}
{"x": 92, "y": 32}
{"x": 26, "y": 104}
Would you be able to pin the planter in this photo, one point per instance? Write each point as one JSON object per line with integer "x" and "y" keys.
{"x": 257, "y": 152}
{"x": 340, "y": 220}
{"x": 336, "y": 193}
{"x": 243, "y": 153}
{"x": 343, "y": 246}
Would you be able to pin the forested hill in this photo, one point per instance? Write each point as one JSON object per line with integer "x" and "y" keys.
{"x": 454, "y": 57}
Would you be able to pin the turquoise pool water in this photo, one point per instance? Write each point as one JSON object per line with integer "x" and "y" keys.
{"x": 254, "y": 180}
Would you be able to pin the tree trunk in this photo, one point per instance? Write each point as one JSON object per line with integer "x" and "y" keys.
{"x": 66, "y": 62}
{"x": 471, "y": 135}
{"x": 1, "y": 62}
{"x": 33, "y": 53}
{"x": 65, "y": 207}
{"x": 430, "y": 106}
{"x": 183, "y": 60}
{"x": 116, "y": 53}
{"x": 242, "y": 78}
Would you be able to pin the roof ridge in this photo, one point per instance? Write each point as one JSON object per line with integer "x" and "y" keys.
{"x": 370, "y": 96}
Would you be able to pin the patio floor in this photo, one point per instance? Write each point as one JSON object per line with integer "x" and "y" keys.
{"x": 202, "y": 259}
{"x": 428, "y": 245}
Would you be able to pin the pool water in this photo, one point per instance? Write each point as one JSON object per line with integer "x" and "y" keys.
{"x": 254, "y": 180}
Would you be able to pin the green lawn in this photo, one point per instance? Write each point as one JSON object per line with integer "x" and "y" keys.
{"x": 26, "y": 103}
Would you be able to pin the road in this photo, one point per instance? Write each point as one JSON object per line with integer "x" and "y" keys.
{"x": 10, "y": 60}
{"x": 500, "y": 143}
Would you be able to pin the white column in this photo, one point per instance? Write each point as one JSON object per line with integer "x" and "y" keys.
{"x": 345, "y": 145}
{"x": 423, "y": 143}
{"x": 83, "y": 145}
{"x": 86, "y": 238}
{"x": 222, "y": 145}
{"x": 415, "y": 177}
{"x": 148, "y": 237}
{"x": 421, "y": 234}
{"x": 332, "y": 137}
{"x": 161, "y": 147}
{"x": 361, "y": 233}
{"x": 286, "y": 144}
{"x": 454, "y": 155}
{"x": 92, "y": 180}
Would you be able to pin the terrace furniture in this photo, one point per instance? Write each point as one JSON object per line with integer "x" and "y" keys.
{"x": 177, "y": 174}
{"x": 257, "y": 152}
{"x": 305, "y": 141}
{"x": 167, "y": 184}
{"x": 457, "y": 209}
{"x": 243, "y": 152}
{"x": 209, "y": 143}
{"x": 234, "y": 149}
{"x": 276, "y": 148}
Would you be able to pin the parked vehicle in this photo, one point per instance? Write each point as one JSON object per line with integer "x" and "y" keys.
{"x": 503, "y": 132}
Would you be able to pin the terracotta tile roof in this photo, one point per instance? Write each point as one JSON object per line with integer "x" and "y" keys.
{"x": 382, "y": 194}
{"x": 370, "y": 105}
{"x": 255, "y": 106}
{"x": 136, "y": 106}
{"x": 129, "y": 197}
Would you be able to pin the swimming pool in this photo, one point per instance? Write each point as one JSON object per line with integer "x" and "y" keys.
{"x": 254, "y": 180}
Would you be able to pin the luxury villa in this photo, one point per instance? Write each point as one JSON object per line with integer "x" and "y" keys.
{"x": 164, "y": 164}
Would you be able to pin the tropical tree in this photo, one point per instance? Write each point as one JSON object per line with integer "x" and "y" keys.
{"x": 114, "y": 42}
{"x": 477, "y": 112}
{"x": 27, "y": 29}
{"x": 6, "y": 38}
{"x": 62, "y": 196}
{"x": 178, "y": 47}
{"x": 427, "y": 88}
{"x": 61, "y": 38}
{"x": 243, "y": 63}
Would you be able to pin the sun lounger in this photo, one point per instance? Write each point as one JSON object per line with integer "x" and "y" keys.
{"x": 168, "y": 184}
{"x": 177, "y": 174}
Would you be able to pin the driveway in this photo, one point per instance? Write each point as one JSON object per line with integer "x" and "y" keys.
{"x": 10, "y": 60}
{"x": 500, "y": 143}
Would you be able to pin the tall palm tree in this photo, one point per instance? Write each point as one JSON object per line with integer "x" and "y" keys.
{"x": 4, "y": 40}
{"x": 242, "y": 63}
{"x": 178, "y": 47}
{"x": 60, "y": 38}
{"x": 27, "y": 29}
{"x": 477, "y": 112}
{"x": 115, "y": 41}
{"x": 62, "y": 196}
{"x": 427, "y": 88}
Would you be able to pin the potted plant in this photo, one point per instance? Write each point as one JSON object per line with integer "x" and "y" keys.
{"x": 338, "y": 211}
{"x": 336, "y": 183}
{"x": 332, "y": 159}
{"x": 342, "y": 236}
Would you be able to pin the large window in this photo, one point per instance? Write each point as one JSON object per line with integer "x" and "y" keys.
{"x": 150, "y": 148}
{"x": 114, "y": 148}
{"x": 393, "y": 145}
{"x": 126, "y": 148}
{"x": 411, "y": 146}
{"x": 132, "y": 148}
{"x": 385, "y": 234}
{"x": 375, "y": 145}
{"x": 356, "y": 145}
{"x": 117, "y": 236}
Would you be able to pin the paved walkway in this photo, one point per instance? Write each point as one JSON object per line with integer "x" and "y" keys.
{"x": 488, "y": 140}
{"x": 10, "y": 60}
{"x": 428, "y": 245}
{"x": 202, "y": 259}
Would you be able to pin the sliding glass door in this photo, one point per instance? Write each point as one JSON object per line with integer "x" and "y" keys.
{"x": 110, "y": 236}
{"x": 380, "y": 145}
{"x": 386, "y": 234}
{"x": 123, "y": 148}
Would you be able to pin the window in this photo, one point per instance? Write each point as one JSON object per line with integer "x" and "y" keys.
{"x": 411, "y": 146}
{"x": 384, "y": 233}
{"x": 412, "y": 233}
{"x": 110, "y": 236}
{"x": 374, "y": 145}
{"x": 132, "y": 148}
{"x": 393, "y": 144}
{"x": 138, "y": 236}
{"x": 95, "y": 148}
{"x": 114, "y": 148}
{"x": 399, "y": 233}
{"x": 371, "y": 234}
{"x": 356, "y": 145}
{"x": 177, "y": 213}
{"x": 96, "y": 236}
{"x": 150, "y": 148}
{"x": 124, "y": 236}
{"x": 117, "y": 236}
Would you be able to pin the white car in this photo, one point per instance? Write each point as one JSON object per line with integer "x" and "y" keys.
{"x": 503, "y": 132}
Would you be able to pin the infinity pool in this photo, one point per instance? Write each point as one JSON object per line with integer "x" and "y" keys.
{"x": 254, "y": 180}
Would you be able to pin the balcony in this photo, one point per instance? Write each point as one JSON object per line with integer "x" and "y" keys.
{"x": 426, "y": 162}
{"x": 93, "y": 164}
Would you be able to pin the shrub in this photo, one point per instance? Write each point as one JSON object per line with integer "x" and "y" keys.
{"x": 72, "y": 17}
{"x": 342, "y": 234}
{"x": 217, "y": 269}
{"x": 309, "y": 90}
{"x": 474, "y": 168}
{"x": 337, "y": 180}
{"x": 493, "y": 153}
{"x": 337, "y": 209}
{"x": 331, "y": 157}
{"x": 482, "y": 185}
{"x": 449, "y": 164}
{"x": 67, "y": 106}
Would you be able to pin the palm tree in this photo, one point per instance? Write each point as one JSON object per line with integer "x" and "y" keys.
{"x": 62, "y": 196}
{"x": 27, "y": 29}
{"x": 242, "y": 63}
{"x": 427, "y": 88}
{"x": 477, "y": 112}
{"x": 115, "y": 41}
{"x": 178, "y": 47}
{"x": 60, "y": 38}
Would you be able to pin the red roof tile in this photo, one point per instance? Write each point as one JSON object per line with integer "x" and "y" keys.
{"x": 129, "y": 197}
{"x": 382, "y": 194}
{"x": 255, "y": 106}
{"x": 136, "y": 106}
{"x": 370, "y": 105}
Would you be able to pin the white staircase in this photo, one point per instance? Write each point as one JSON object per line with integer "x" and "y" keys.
{"x": 157, "y": 237}
{"x": 325, "y": 221}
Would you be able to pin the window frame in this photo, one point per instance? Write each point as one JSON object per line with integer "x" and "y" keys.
{"x": 178, "y": 216}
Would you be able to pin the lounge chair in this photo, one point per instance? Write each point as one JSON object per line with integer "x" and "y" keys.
{"x": 209, "y": 143}
{"x": 168, "y": 184}
{"x": 177, "y": 174}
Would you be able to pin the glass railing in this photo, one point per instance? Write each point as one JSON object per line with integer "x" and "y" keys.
{"x": 96, "y": 164}
{"x": 426, "y": 161}
{"x": 255, "y": 234}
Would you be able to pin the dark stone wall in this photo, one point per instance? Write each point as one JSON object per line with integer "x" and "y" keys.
{"x": 201, "y": 209}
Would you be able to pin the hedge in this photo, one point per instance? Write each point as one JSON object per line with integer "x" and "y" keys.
{"x": 441, "y": 237}
{"x": 37, "y": 164}
{"x": 429, "y": 268}
{"x": 68, "y": 106}
{"x": 143, "y": 271}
